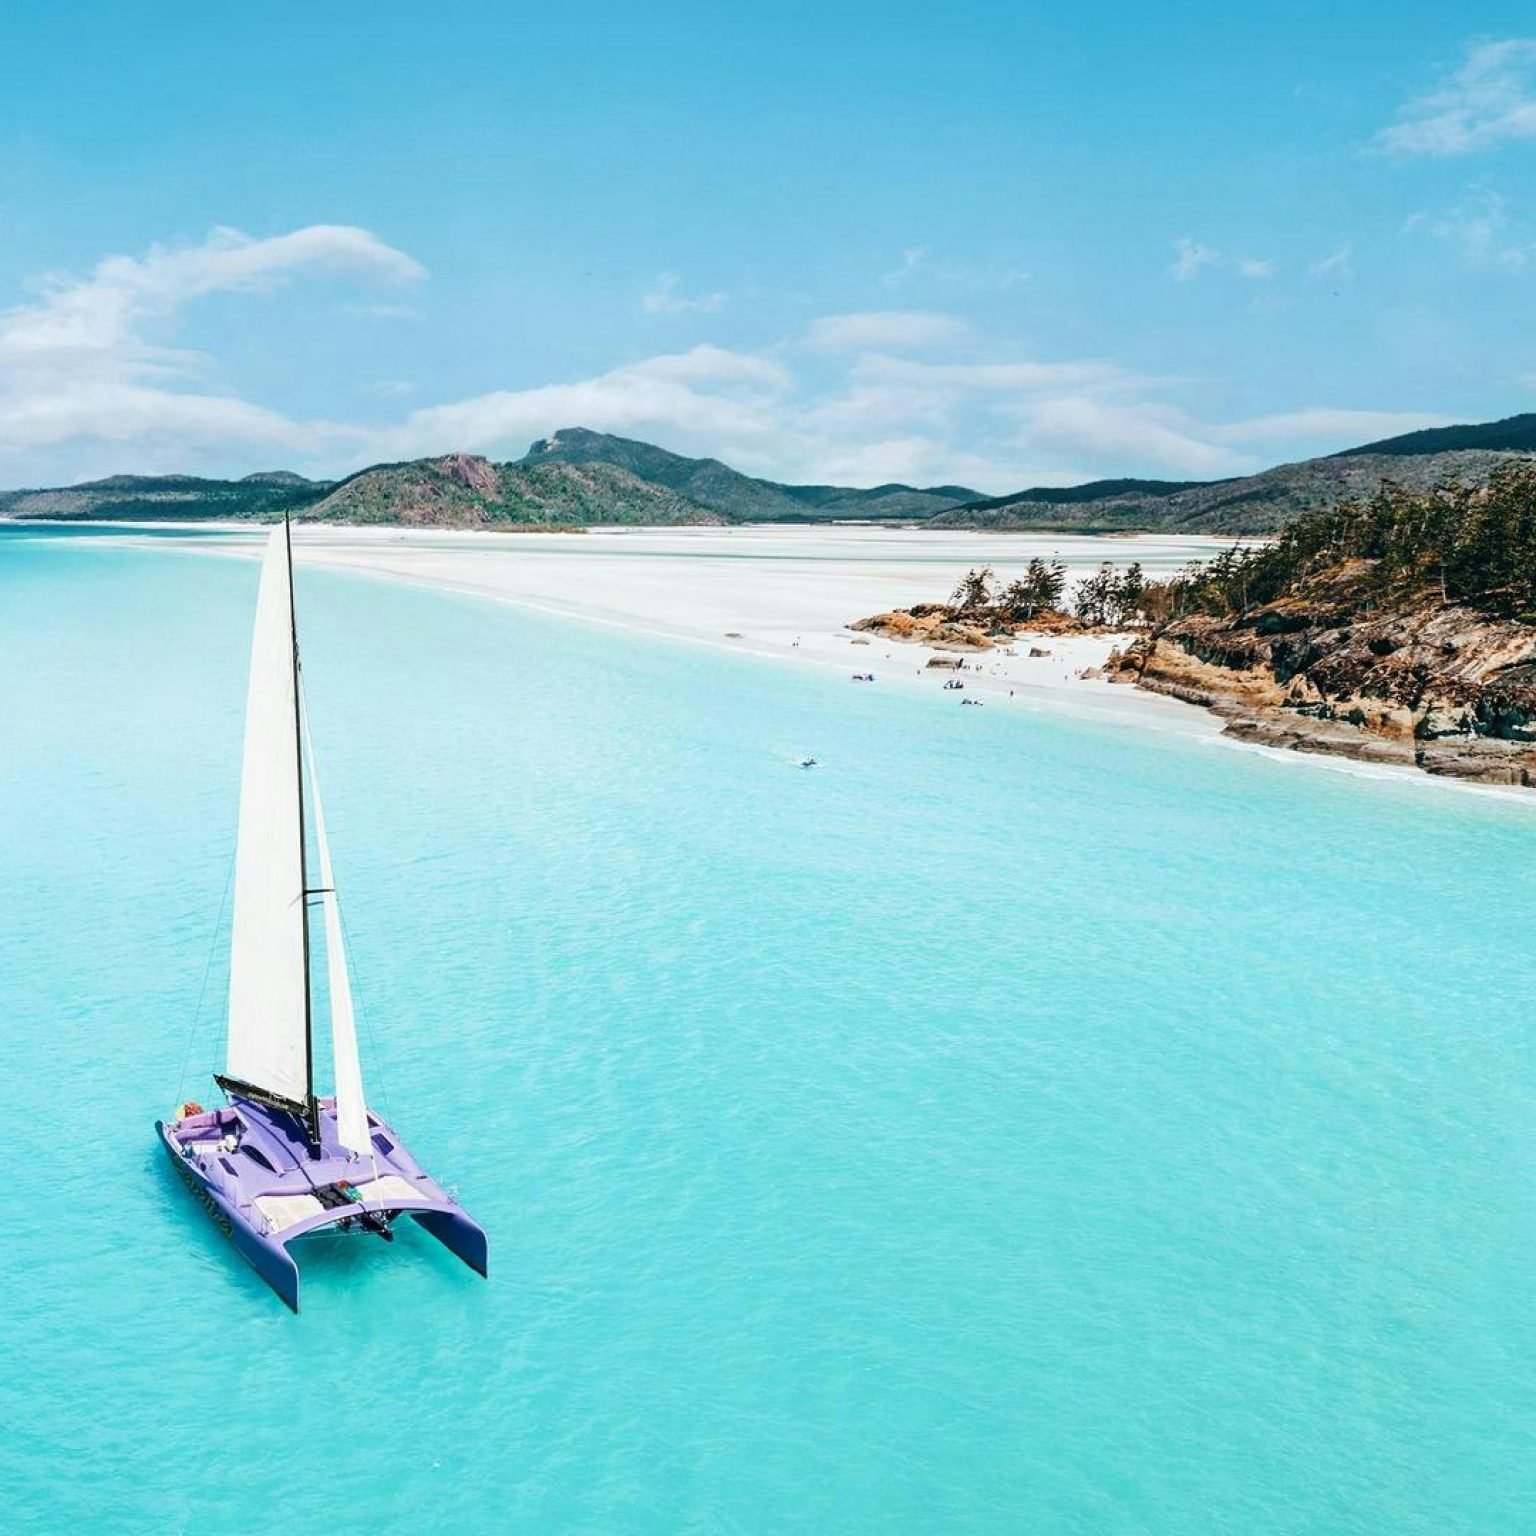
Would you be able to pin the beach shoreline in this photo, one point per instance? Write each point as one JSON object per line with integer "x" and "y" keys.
{"x": 789, "y": 594}
{"x": 782, "y": 593}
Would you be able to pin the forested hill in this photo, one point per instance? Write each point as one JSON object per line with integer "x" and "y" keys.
{"x": 1515, "y": 434}
{"x": 742, "y": 498}
{"x": 1265, "y": 502}
{"x": 1399, "y": 630}
{"x": 136, "y": 498}
{"x": 577, "y": 477}
{"x": 574, "y": 478}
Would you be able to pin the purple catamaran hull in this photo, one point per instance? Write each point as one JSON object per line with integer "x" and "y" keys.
{"x": 255, "y": 1172}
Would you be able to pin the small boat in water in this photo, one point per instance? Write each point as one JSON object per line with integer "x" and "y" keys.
{"x": 278, "y": 1161}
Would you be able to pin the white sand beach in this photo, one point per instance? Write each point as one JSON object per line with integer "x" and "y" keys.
{"x": 774, "y": 591}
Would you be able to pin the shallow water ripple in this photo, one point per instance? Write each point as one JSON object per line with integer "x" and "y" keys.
{"x": 1013, "y": 1125}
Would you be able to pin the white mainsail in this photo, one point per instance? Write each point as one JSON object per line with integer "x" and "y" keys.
{"x": 268, "y": 1035}
{"x": 351, "y": 1108}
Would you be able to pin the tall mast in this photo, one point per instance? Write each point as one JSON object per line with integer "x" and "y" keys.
{"x": 311, "y": 1103}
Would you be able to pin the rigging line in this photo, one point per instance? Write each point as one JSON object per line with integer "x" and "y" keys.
{"x": 298, "y": 759}
{"x": 202, "y": 991}
{"x": 375, "y": 1071}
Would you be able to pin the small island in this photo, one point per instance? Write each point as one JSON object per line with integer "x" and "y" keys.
{"x": 982, "y": 612}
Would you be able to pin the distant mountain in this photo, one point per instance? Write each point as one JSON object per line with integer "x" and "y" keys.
{"x": 461, "y": 491}
{"x": 578, "y": 477}
{"x": 1515, "y": 434}
{"x": 278, "y": 477}
{"x": 574, "y": 478}
{"x": 737, "y": 497}
{"x": 1097, "y": 491}
{"x": 137, "y": 498}
{"x": 1259, "y": 503}
{"x": 881, "y": 501}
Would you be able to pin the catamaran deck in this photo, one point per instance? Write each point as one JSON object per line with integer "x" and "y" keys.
{"x": 263, "y": 1182}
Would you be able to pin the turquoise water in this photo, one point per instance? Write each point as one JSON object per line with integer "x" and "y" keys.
{"x": 1014, "y": 1126}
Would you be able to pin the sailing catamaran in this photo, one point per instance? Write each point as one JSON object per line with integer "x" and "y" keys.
{"x": 278, "y": 1161}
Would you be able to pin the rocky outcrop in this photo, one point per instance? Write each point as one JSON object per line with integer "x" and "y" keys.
{"x": 476, "y": 475}
{"x": 946, "y": 628}
{"x": 932, "y": 624}
{"x": 1424, "y": 683}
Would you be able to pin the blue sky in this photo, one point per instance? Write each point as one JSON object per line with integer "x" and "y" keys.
{"x": 993, "y": 244}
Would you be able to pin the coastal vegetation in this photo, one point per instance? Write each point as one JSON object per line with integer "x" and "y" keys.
{"x": 1038, "y": 590}
{"x": 1398, "y": 629}
{"x": 1472, "y": 545}
{"x": 1455, "y": 544}
{"x": 983, "y": 610}
{"x": 1109, "y": 598}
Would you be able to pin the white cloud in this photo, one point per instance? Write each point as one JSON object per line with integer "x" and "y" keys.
{"x": 1135, "y": 436}
{"x": 1482, "y": 230}
{"x": 1324, "y": 424}
{"x": 87, "y": 383}
{"x": 705, "y": 393}
{"x": 379, "y": 311}
{"x": 1490, "y": 99}
{"x": 1192, "y": 259}
{"x": 980, "y": 277}
{"x": 912, "y": 260}
{"x": 104, "y": 312}
{"x": 79, "y": 362}
{"x": 884, "y": 330}
{"x": 1340, "y": 261}
{"x": 1015, "y": 377}
{"x": 666, "y": 298}
{"x": 134, "y": 417}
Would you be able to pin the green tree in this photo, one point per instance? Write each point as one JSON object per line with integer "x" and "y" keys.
{"x": 1093, "y": 599}
{"x": 1039, "y": 588}
{"x": 1128, "y": 593}
{"x": 974, "y": 591}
